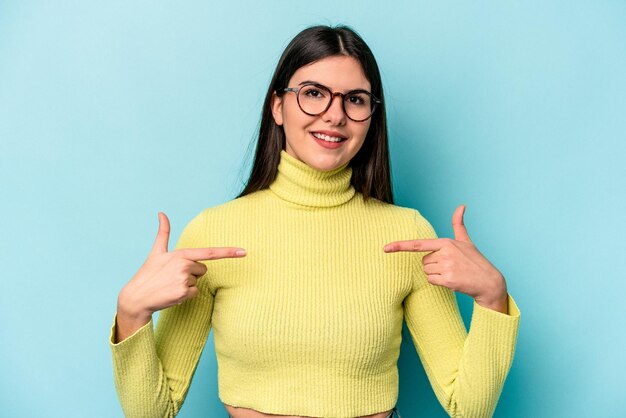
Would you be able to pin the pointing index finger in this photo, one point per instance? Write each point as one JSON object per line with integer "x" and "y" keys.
{"x": 212, "y": 253}
{"x": 414, "y": 245}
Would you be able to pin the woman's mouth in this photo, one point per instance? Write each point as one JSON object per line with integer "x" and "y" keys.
{"x": 327, "y": 141}
{"x": 327, "y": 138}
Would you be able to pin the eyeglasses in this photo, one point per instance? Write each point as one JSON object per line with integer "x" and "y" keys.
{"x": 315, "y": 99}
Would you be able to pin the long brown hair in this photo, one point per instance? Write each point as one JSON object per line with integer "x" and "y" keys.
{"x": 371, "y": 170}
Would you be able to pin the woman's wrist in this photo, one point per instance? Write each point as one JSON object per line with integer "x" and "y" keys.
{"x": 500, "y": 305}
{"x": 497, "y": 299}
{"x": 129, "y": 318}
{"x": 126, "y": 325}
{"x": 130, "y": 308}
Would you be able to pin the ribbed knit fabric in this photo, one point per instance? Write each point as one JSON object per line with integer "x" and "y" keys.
{"x": 309, "y": 322}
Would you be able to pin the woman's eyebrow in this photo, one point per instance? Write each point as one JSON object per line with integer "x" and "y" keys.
{"x": 318, "y": 83}
{"x": 310, "y": 81}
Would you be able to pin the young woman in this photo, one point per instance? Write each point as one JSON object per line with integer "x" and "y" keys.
{"x": 306, "y": 277}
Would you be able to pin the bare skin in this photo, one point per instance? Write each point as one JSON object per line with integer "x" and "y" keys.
{"x": 251, "y": 413}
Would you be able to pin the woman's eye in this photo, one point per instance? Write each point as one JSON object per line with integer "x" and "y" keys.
{"x": 313, "y": 93}
{"x": 356, "y": 99}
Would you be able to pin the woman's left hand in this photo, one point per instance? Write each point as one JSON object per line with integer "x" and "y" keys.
{"x": 458, "y": 265}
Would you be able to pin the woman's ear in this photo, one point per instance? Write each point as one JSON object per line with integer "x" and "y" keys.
{"x": 277, "y": 109}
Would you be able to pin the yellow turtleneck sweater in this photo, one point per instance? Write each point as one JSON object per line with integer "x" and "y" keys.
{"x": 309, "y": 322}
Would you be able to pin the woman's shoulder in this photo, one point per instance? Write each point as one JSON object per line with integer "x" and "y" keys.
{"x": 234, "y": 207}
{"x": 388, "y": 209}
{"x": 405, "y": 218}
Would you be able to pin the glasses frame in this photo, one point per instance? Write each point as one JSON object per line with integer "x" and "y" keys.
{"x": 374, "y": 99}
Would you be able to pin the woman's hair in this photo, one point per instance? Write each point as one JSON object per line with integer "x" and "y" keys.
{"x": 371, "y": 172}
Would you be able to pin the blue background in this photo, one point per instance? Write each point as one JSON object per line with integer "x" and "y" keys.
{"x": 111, "y": 112}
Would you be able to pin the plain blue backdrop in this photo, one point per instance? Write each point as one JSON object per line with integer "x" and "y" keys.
{"x": 113, "y": 111}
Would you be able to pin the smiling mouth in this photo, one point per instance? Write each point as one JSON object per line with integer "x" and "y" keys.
{"x": 328, "y": 138}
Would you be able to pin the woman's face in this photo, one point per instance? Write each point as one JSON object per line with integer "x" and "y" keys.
{"x": 339, "y": 74}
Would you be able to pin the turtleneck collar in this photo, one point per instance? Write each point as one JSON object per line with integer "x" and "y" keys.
{"x": 299, "y": 183}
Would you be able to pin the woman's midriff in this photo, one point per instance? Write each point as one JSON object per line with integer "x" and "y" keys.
{"x": 236, "y": 412}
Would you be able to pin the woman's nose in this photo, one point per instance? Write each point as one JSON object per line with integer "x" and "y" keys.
{"x": 335, "y": 114}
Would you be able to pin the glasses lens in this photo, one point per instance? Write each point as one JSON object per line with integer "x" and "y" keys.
{"x": 313, "y": 99}
{"x": 358, "y": 105}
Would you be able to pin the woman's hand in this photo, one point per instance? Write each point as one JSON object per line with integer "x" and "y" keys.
{"x": 165, "y": 279}
{"x": 458, "y": 265}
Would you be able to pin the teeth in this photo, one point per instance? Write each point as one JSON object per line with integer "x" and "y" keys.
{"x": 327, "y": 138}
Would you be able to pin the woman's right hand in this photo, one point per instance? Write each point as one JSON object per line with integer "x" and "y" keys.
{"x": 165, "y": 279}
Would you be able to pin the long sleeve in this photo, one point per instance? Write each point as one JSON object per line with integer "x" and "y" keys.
{"x": 153, "y": 369}
{"x": 466, "y": 370}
